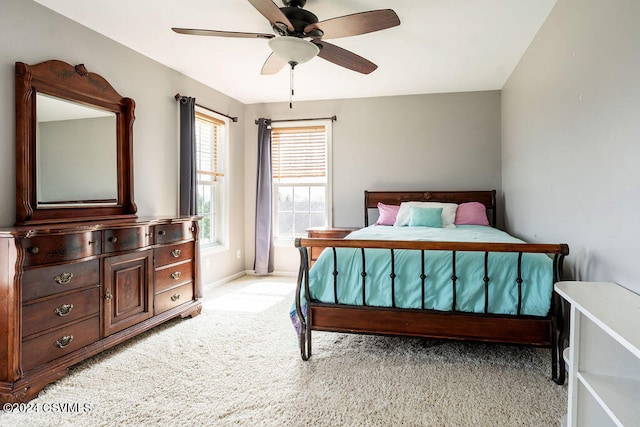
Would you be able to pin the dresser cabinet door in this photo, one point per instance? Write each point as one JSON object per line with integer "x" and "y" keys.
{"x": 128, "y": 290}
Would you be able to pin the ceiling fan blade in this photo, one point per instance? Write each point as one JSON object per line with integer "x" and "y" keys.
{"x": 344, "y": 58}
{"x": 272, "y": 12}
{"x": 216, "y": 33}
{"x": 355, "y": 24}
{"x": 273, "y": 64}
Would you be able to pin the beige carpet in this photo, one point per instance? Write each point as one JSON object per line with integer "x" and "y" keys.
{"x": 238, "y": 364}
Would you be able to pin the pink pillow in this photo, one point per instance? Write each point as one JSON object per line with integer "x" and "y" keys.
{"x": 471, "y": 213}
{"x": 387, "y": 213}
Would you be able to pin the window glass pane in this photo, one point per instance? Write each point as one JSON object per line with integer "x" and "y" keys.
{"x": 205, "y": 230}
{"x": 213, "y": 207}
{"x": 301, "y": 223}
{"x": 316, "y": 197}
{"x": 285, "y": 199}
{"x": 285, "y": 224}
{"x": 301, "y": 199}
{"x": 317, "y": 220}
{"x": 204, "y": 198}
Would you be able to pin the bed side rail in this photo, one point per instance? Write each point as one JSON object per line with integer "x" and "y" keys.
{"x": 557, "y": 251}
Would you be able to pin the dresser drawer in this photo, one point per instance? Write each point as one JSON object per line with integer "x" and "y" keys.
{"x": 55, "y": 312}
{"x": 44, "y": 281}
{"x": 173, "y": 275}
{"x": 59, "y": 248}
{"x": 168, "y": 233}
{"x": 173, "y": 298}
{"x": 173, "y": 253}
{"x": 124, "y": 239}
{"x": 59, "y": 342}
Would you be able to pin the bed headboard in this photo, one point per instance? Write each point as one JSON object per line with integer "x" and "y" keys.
{"x": 487, "y": 198}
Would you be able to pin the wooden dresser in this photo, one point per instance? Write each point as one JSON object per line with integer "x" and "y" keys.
{"x": 69, "y": 291}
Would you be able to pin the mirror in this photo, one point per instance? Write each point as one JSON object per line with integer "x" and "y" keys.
{"x": 75, "y": 154}
{"x": 73, "y": 146}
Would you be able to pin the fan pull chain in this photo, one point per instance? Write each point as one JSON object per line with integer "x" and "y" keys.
{"x": 293, "y": 64}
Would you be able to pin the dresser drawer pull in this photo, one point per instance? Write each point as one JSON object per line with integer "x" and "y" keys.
{"x": 176, "y": 253}
{"x": 161, "y": 233}
{"x": 112, "y": 239}
{"x": 64, "y": 341}
{"x": 63, "y": 278}
{"x": 93, "y": 242}
{"x": 33, "y": 250}
{"x": 63, "y": 310}
{"x": 175, "y": 297}
{"x": 176, "y": 275}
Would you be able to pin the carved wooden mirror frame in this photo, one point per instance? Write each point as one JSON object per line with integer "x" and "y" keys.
{"x": 76, "y": 84}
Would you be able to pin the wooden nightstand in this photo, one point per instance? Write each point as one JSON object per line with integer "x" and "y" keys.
{"x": 326, "y": 233}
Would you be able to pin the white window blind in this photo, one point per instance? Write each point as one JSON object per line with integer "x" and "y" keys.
{"x": 209, "y": 134}
{"x": 299, "y": 152}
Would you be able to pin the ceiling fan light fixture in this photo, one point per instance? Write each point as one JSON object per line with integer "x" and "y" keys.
{"x": 293, "y": 49}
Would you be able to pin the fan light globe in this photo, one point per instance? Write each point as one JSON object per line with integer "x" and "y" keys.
{"x": 293, "y": 49}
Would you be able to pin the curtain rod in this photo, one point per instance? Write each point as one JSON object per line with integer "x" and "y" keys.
{"x": 332, "y": 118}
{"x": 233, "y": 119}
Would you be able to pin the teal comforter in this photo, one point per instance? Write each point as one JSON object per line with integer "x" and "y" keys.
{"x": 537, "y": 273}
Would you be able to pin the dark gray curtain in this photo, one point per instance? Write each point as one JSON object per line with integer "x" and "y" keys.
{"x": 188, "y": 178}
{"x": 264, "y": 198}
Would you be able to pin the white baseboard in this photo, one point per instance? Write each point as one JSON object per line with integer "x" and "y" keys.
{"x": 225, "y": 280}
{"x": 248, "y": 273}
{"x": 275, "y": 273}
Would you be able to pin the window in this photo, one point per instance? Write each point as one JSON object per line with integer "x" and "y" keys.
{"x": 211, "y": 141}
{"x": 301, "y": 177}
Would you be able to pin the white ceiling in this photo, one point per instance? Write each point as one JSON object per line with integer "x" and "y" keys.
{"x": 440, "y": 46}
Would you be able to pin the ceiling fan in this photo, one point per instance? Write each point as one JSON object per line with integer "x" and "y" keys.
{"x": 299, "y": 36}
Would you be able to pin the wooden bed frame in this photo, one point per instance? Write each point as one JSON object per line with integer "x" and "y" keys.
{"x": 544, "y": 331}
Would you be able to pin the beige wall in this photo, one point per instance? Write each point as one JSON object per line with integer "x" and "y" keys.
{"x": 31, "y": 33}
{"x": 570, "y": 149}
{"x": 566, "y": 168}
{"x": 420, "y": 142}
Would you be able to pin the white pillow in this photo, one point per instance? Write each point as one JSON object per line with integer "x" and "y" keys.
{"x": 448, "y": 213}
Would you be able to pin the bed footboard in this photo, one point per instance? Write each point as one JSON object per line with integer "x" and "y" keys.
{"x": 546, "y": 331}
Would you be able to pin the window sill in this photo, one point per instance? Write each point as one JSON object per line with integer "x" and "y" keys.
{"x": 284, "y": 242}
{"x": 213, "y": 248}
